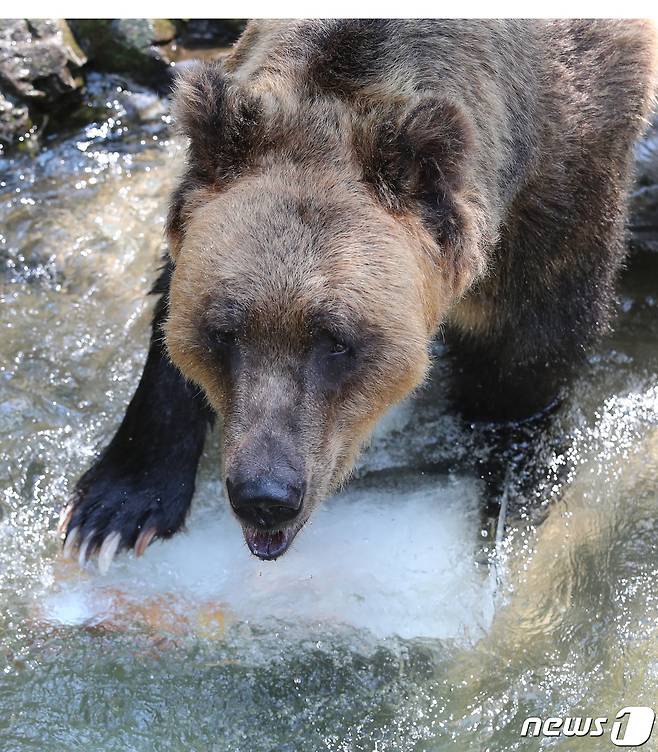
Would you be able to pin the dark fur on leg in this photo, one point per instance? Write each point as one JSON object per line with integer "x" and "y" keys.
{"x": 141, "y": 486}
{"x": 487, "y": 385}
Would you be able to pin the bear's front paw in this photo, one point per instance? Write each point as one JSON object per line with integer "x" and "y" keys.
{"x": 110, "y": 511}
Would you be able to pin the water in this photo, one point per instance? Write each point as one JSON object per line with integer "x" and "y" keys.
{"x": 394, "y": 623}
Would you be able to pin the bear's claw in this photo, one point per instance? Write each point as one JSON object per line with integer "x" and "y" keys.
{"x": 84, "y": 549}
{"x": 107, "y": 551}
{"x": 145, "y": 537}
{"x": 65, "y": 518}
{"x": 108, "y": 513}
{"x": 70, "y": 542}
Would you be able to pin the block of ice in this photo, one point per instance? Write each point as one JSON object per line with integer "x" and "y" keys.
{"x": 392, "y": 562}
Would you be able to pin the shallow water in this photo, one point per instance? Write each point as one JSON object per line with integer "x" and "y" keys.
{"x": 394, "y": 623}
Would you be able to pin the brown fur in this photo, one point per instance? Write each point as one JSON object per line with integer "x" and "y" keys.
{"x": 378, "y": 180}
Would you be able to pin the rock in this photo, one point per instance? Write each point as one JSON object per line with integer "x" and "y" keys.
{"x": 127, "y": 46}
{"x": 39, "y": 71}
{"x": 144, "y": 106}
{"x": 39, "y": 59}
{"x": 163, "y": 30}
{"x": 15, "y": 120}
{"x": 209, "y": 32}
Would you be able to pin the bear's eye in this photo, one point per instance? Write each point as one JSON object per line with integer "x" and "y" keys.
{"x": 339, "y": 348}
{"x": 334, "y": 356}
{"x": 334, "y": 346}
{"x": 221, "y": 339}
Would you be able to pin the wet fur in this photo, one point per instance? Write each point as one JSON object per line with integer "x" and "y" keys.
{"x": 462, "y": 177}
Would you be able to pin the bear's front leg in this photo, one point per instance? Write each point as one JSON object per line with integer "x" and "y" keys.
{"x": 141, "y": 486}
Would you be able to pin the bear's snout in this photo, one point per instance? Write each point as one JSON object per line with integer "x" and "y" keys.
{"x": 267, "y": 506}
{"x": 265, "y": 503}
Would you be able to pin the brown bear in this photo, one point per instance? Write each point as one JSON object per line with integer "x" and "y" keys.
{"x": 352, "y": 189}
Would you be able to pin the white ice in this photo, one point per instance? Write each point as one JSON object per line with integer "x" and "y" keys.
{"x": 392, "y": 562}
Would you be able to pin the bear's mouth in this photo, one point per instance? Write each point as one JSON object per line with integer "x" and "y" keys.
{"x": 268, "y": 545}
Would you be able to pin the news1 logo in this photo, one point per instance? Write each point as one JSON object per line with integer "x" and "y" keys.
{"x": 631, "y": 727}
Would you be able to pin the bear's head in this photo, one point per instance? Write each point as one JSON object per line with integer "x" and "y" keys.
{"x": 318, "y": 245}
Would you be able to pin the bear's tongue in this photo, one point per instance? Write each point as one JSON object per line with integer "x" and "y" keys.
{"x": 266, "y": 545}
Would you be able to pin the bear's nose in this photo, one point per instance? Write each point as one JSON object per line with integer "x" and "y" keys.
{"x": 266, "y": 502}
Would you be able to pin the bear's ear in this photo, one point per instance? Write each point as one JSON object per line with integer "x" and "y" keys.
{"x": 416, "y": 157}
{"x": 219, "y": 118}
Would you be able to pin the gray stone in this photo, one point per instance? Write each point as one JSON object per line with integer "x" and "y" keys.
{"x": 39, "y": 68}
{"x": 15, "y": 120}
{"x": 126, "y": 46}
{"x": 39, "y": 59}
